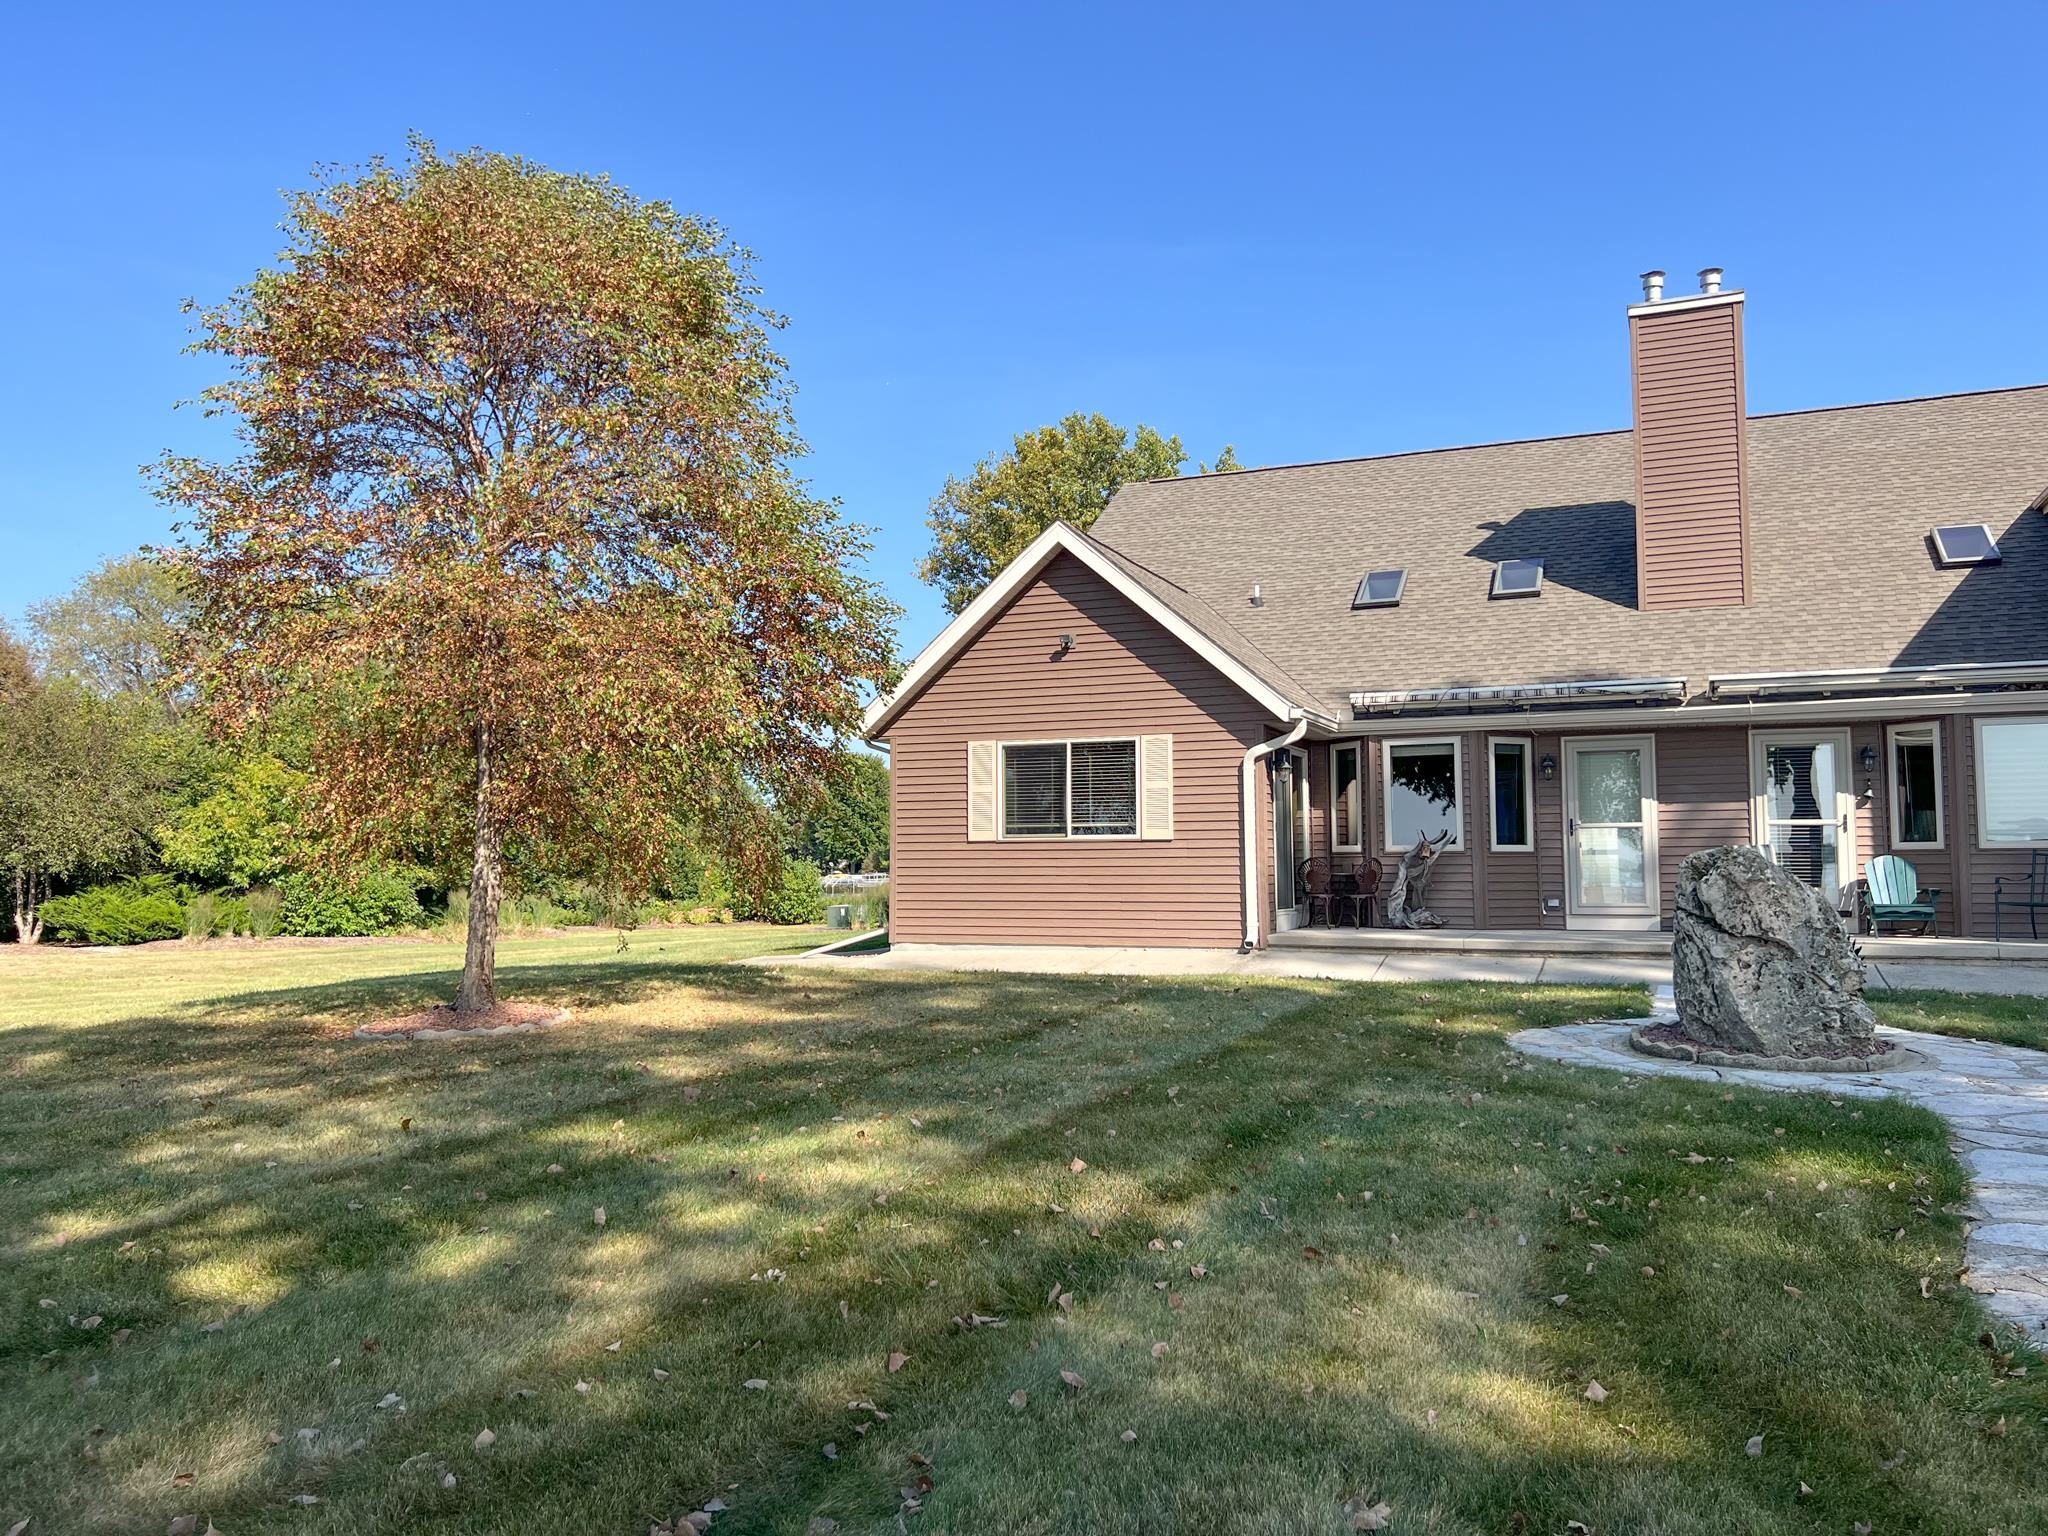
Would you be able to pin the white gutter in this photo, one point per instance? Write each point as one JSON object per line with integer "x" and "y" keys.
{"x": 1249, "y": 812}
{"x": 1965, "y": 674}
{"x": 1619, "y": 689}
{"x": 1903, "y": 706}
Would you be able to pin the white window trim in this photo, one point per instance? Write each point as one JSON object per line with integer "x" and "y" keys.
{"x": 1003, "y": 834}
{"x": 1977, "y": 735}
{"x": 1457, "y": 746}
{"x": 1528, "y": 746}
{"x": 1947, "y": 561}
{"x": 1892, "y": 736}
{"x": 1357, "y": 748}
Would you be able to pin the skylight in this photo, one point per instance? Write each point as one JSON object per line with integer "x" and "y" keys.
{"x": 1380, "y": 589}
{"x": 1517, "y": 578}
{"x": 1965, "y": 544}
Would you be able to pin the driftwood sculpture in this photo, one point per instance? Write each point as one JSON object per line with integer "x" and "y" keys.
{"x": 1411, "y": 876}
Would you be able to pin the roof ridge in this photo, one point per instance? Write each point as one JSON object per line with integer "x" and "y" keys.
{"x": 1567, "y": 437}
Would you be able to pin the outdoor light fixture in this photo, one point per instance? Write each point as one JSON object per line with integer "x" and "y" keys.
{"x": 1867, "y": 761}
{"x": 1066, "y": 644}
{"x": 1547, "y": 767}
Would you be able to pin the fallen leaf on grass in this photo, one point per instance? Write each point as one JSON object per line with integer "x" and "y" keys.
{"x": 660, "y": 1374}
{"x": 1159, "y": 1351}
{"x": 1927, "y": 1288}
{"x": 183, "y": 1479}
{"x": 1074, "y": 1379}
{"x": 1175, "y": 1300}
{"x": 1077, "y": 1166}
{"x": 1372, "y": 1517}
{"x": 755, "y": 1384}
{"x": 183, "y": 1525}
{"x": 831, "y": 1451}
{"x": 1595, "y": 1393}
{"x": 1995, "y": 1431}
{"x": 484, "y": 1441}
{"x": 1754, "y": 1446}
{"x": 1805, "y": 1492}
{"x": 597, "y": 1216}
{"x": 583, "y": 1387}
{"x": 1066, "y": 1301}
{"x": 1128, "y": 1436}
{"x": 1199, "y": 1271}
{"x": 897, "y": 1360}
{"x": 1019, "y": 1398}
{"x": 447, "y": 1479}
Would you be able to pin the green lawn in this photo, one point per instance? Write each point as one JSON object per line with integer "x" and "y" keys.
{"x": 230, "y": 1232}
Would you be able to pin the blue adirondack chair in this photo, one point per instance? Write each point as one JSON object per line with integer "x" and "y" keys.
{"x": 1892, "y": 894}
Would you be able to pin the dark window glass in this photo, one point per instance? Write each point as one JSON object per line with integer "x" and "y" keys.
{"x": 1105, "y": 788}
{"x": 1035, "y": 790}
{"x": 1965, "y": 544}
{"x": 1510, "y": 795}
{"x": 1919, "y": 787}
{"x": 1344, "y": 799}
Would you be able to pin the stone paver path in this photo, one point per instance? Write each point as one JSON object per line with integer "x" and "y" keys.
{"x": 1994, "y": 1097}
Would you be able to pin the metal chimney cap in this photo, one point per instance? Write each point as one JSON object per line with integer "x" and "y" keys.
{"x": 1710, "y": 279}
{"x": 1653, "y": 287}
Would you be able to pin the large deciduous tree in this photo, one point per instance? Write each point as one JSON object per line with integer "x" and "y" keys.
{"x": 516, "y": 503}
{"x": 1063, "y": 473}
{"x": 120, "y": 630}
{"x": 83, "y": 779}
{"x": 849, "y": 827}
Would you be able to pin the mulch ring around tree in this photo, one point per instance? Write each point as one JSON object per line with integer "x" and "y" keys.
{"x": 444, "y": 1023}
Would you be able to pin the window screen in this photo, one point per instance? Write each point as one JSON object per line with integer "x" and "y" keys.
{"x": 1035, "y": 790}
{"x": 1105, "y": 788}
{"x": 1346, "y": 796}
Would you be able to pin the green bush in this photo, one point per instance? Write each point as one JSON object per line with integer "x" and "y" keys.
{"x": 320, "y": 906}
{"x": 799, "y": 897}
{"x": 133, "y": 912}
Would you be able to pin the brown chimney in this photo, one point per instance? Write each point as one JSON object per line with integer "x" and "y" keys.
{"x": 1692, "y": 496}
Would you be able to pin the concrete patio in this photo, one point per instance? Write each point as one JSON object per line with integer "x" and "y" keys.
{"x": 1637, "y": 959}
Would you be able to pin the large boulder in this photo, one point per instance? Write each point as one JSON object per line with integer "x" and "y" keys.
{"x": 1761, "y": 965}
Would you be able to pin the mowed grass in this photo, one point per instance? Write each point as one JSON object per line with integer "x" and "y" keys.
{"x": 1974, "y": 1016}
{"x": 1417, "y": 1251}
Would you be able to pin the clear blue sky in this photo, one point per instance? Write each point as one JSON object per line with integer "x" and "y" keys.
{"x": 1313, "y": 233}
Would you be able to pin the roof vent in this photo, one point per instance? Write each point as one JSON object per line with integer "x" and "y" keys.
{"x": 1258, "y": 597}
{"x": 1653, "y": 287}
{"x": 1710, "y": 279}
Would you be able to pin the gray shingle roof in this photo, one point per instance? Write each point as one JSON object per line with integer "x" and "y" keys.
{"x": 1840, "y": 504}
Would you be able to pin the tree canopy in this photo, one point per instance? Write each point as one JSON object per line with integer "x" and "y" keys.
{"x": 120, "y": 630}
{"x": 849, "y": 826}
{"x": 1062, "y": 473}
{"x": 83, "y": 780}
{"x": 516, "y": 502}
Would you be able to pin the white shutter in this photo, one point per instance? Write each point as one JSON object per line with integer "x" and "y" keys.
{"x": 1155, "y": 799}
{"x": 981, "y": 791}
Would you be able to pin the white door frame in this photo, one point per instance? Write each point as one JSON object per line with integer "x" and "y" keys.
{"x": 1650, "y": 914}
{"x": 1286, "y": 918}
{"x": 1845, "y": 798}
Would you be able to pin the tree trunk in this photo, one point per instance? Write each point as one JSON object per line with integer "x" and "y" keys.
{"x": 28, "y": 920}
{"x": 486, "y": 890}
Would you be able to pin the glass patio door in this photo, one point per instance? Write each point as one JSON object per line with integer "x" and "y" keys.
{"x": 1290, "y": 838}
{"x": 1611, "y": 832}
{"x": 1800, "y": 780}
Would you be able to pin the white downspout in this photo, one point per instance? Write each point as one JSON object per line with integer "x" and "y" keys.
{"x": 1247, "y": 789}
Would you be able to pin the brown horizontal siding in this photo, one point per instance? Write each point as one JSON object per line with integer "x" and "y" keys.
{"x": 1126, "y": 676}
{"x": 1691, "y": 542}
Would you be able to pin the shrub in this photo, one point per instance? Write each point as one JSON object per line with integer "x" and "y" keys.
{"x": 133, "y": 912}
{"x": 799, "y": 897}
{"x": 234, "y": 916}
{"x": 378, "y": 901}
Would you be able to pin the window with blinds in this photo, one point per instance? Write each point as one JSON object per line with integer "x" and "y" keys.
{"x": 1035, "y": 789}
{"x": 1104, "y": 780}
{"x": 2012, "y": 783}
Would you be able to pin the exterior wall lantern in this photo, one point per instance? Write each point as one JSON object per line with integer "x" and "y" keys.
{"x": 1547, "y": 767}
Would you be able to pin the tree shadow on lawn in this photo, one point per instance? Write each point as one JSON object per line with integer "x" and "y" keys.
{"x": 1294, "y": 1379}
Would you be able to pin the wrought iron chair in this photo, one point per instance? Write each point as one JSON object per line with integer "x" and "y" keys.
{"x": 1356, "y": 886}
{"x": 1317, "y": 884}
{"x": 2029, "y": 895}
